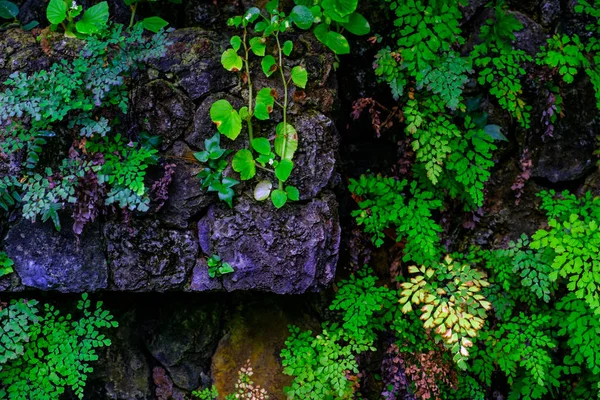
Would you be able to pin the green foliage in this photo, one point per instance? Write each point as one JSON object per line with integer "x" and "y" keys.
{"x": 427, "y": 74}
{"x": 217, "y": 268}
{"x": 206, "y": 394}
{"x": 46, "y": 354}
{"x": 468, "y": 165}
{"x": 364, "y": 307}
{"x": 451, "y": 303}
{"x": 9, "y": 192}
{"x": 16, "y": 323}
{"x": 565, "y": 54}
{"x": 45, "y": 195}
{"x": 522, "y": 348}
{"x": 124, "y": 170}
{"x": 582, "y": 328}
{"x": 154, "y": 23}
{"x": 211, "y": 177}
{"x": 320, "y": 364}
{"x": 229, "y": 121}
{"x": 383, "y": 205}
{"x": 8, "y": 10}
{"x": 574, "y": 236}
{"x": 6, "y": 264}
{"x": 64, "y": 13}
{"x": 544, "y": 334}
{"x": 330, "y": 18}
{"x": 500, "y": 65}
{"x": 80, "y": 94}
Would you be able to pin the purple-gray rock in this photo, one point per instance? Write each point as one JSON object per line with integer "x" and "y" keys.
{"x": 123, "y": 366}
{"x": 290, "y": 250}
{"x": 162, "y": 109}
{"x": 195, "y": 59}
{"x": 569, "y": 154}
{"x": 182, "y": 340}
{"x": 146, "y": 257}
{"x": 186, "y": 198}
{"x": 46, "y": 259}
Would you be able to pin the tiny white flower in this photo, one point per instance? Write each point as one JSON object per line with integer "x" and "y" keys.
{"x": 73, "y": 5}
{"x": 271, "y": 161}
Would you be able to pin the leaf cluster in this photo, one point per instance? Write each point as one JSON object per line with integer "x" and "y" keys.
{"x": 389, "y": 203}
{"x": 321, "y": 364}
{"x": 217, "y": 267}
{"x": 43, "y": 355}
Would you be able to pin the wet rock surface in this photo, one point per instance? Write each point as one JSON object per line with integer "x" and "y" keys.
{"x": 160, "y": 251}
{"x": 46, "y": 259}
{"x": 148, "y": 258}
{"x": 291, "y": 250}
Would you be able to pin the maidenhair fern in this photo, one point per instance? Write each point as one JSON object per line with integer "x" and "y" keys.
{"x": 451, "y": 304}
{"x": 43, "y": 355}
{"x": 500, "y": 65}
{"x": 574, "y": 235}
{"x": 385, "y": 205}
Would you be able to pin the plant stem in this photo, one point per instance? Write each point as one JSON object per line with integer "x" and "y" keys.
{"x": 265, "y": 169}
{"x": 250, "y": 88}
{"x": 285, "y": 103}
{"x": 133, "y": 9}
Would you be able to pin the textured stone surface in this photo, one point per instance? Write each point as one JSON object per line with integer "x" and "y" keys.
{"x": 46, "y": 259}
{"x": 290, "y": 250}
{"x": 186, "y": 198}
{"x": 123, "y": 366}
{"x": 162, "y": 109}
{"x": 182, "y": 339}
{"x": 195, "y": 59}
{"x": 145, "y": 257}
{"x": 257, "y": 332}
{"x": 569, "y": 154}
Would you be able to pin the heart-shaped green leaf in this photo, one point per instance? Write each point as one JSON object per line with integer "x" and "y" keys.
{"x": 293, "y": 193}
{"x": 495, "y": 132}
{"x": 264, "y": 104}
{"x": 202, "y": 156}
{"x": 8, "y": 9}
{"x": 228, "y": 121}
{"x": 288, "y": 46}
{"x": 243, "y": 162}
{"x": 56, "y": 11}
{"x": 335, "y": 41}
{"x": 329, "y": 11}
{"x": 94, "y": 19}
{"x": 213, "y": 143}
{"x": 258, "y": 46}
{"x": 269, "y": 65}
{"x": 299, "y": 76}
{"x": 154, "y": 24}
{"x": 302, "y": 17}
{"x": 272, "y": 6}
{"x": 284, "y": 169}
{"x": 235, "y": 42}
{"x": 262, "y": 190}
{"x": 279, "y": 198}
{"x": 226, "y": 194}
{"x": 226, "y": 268}
{"x": 345, "y": 7}
{"x": 231, "y": 61}
{"x": 286, "y": 144}
{"x": 261, "y": 146}
{"x": 357, "y": 24}
{"x": 251, "y": 15}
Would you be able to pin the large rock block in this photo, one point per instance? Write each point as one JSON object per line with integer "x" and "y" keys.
{"x": 46, "y": 259}
{"x": 145, "y": 257}
{"x": 290, "y": 250}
